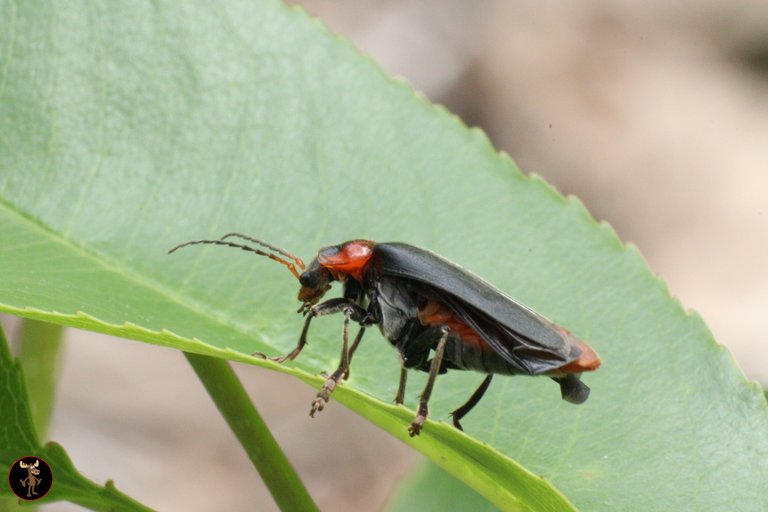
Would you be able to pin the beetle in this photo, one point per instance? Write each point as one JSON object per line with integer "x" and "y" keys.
{"x": 437, "y": 315}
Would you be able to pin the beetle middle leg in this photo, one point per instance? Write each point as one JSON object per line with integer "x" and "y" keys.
{"x": 434, "y": 369}
{"x": 414, "y": 353}
{"x": 400, "y": 397}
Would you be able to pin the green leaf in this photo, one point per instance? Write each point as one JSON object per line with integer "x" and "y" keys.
{"x": 126, "y": 129}
{"x": 18, "y": 439}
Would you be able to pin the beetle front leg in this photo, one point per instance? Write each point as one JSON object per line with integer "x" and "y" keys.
{"x": 328, "y": 307}
{"x": 353, "y": 348}
{"x": 324, "y": 395}
{"x": 434, "y": 369}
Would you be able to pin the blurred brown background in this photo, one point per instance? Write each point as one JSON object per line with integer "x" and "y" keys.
{"x": 654, "y": 113}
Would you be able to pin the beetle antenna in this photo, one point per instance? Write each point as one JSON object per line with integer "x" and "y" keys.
{"x": 285, "y": 253}
{"x": 288, "y": 264}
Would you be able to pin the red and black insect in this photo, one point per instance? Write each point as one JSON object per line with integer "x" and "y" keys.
{"x": 437, "y": 315}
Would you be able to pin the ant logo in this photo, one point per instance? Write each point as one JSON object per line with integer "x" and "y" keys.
{"x": 30, "y": 478}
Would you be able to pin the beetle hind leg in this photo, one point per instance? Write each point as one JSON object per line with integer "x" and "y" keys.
{"x": 471, "y": 403}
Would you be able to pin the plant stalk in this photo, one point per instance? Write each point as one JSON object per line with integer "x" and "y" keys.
{"x": 245, "y": 421}
{"x": 39, "y": 353}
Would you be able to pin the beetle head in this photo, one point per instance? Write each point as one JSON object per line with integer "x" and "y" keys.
{"x": 315, "y": 281}
{"x": 333, "y": 263}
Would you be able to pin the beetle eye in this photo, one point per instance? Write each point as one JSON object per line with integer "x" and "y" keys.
{"x": 308, "y": 279}
{"x": 315, "y": 276}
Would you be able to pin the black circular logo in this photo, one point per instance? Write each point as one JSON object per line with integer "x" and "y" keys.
{"x": 30, "y": 478}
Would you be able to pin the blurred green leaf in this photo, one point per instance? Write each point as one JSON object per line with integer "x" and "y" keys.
{"x": 39, "y": 355}
{"x": 18, "y": 439}
{"x": 128, "y": 128}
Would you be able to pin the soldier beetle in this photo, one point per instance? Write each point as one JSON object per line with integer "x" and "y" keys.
{"x": 437, "y": 315}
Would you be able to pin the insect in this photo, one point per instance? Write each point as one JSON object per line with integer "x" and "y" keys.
{"x": 437, "y": 315}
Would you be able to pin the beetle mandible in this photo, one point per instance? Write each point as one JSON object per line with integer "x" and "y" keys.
{"x": 436, "y": 314}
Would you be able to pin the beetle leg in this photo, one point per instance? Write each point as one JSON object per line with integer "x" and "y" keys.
{"x": 324, "y": 395}
{"x": 400, "y": 397}
{"x": 476, "y": 396}
{"x": 352, "y": 349}
{"x": 328, "y": 307}
{"x": 434, "y": 369}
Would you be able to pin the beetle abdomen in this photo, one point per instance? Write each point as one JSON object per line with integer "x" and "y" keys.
{"x": 467, "y": 356}
{"x": 588, "y": 360}
{"x": 466, "y": 349}
{"x": 434, "y": 313}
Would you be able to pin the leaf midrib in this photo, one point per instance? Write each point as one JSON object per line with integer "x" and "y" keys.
{"x": 121, "y": 268}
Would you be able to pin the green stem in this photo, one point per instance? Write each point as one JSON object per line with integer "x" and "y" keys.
{"x": 245, "y": 421}
{"x": 40, "y": 343}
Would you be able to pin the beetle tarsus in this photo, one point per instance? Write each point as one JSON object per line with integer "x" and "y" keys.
{"x": 289, "y": 356}
{"x": 476, "y": 396}
{"x": 414, "y": 428}
{"x": 323, "y": 397}
{"x": 280, "y": 359}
